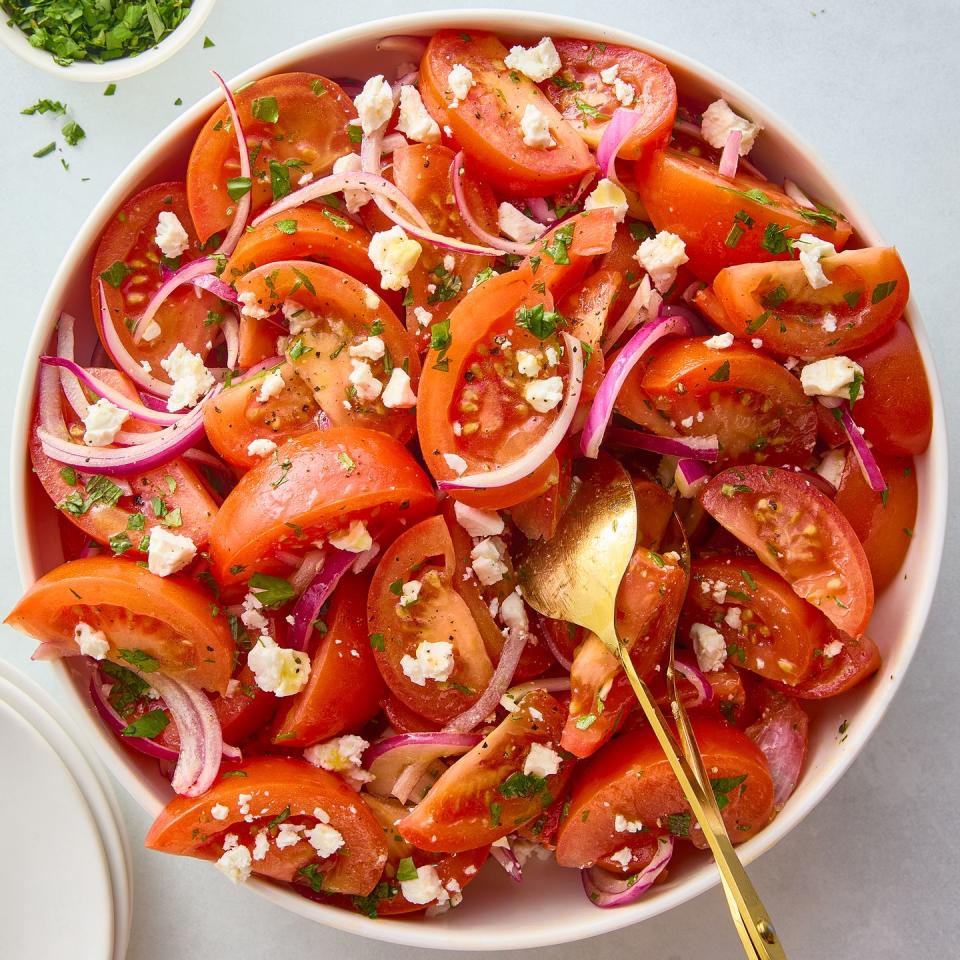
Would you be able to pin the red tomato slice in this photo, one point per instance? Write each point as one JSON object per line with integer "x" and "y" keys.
{"x": 403, "y": 719}
{"x": 858, "y": 659}
{"x": 757, "y": 409}
{"x": 345, "y": 687}
{"x": 882, "y": 521}
{"x": 485, "y": 794}
{"x": 487, "y": 123}
{"x": 130, "y": 264}
{"x": 896, "y": 411}
{"x": 425, "y": 553}
{"x": 583, "y": 98}
{"x": 151, "y": 622}
{"x": 687, "y": 196}
{"x": 316, "y": 485}
{"x": 348, "y": 313}
{"x": 632, "y": 778}
{"x": 800, "y": 534}
{"x": 308, "y": 133}
{"x": 768, "y": 629}
{"x": 867, "y": 293}
{"x": 279, "y": 789}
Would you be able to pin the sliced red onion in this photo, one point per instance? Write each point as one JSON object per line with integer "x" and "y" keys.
{"x": 219, "y": 288}
{"x": 782, "y": 736}
{"x": 645, "y": 302}
{"x": 615, "y": 135}
{"x": 121, "y": 356}
{"x": 51, "y": 413}
{"x": 690, "y": 477}
{"x": 692, "y": 290}
{"x": 409, "y": 753}
{"x": 731, "y": 154}
{"x": 699, "y": 448}
{"x": 690, "y": 129}
{"x": 186, "y": 274}
{"x": 797, "y": 195}
{"x": 231, "y": 335}
{"x": 697, "y": 324}
{"x": 410, "y": 46}
{"x": 116, "y": 723}
{"x": 550, "y": 684}
{"x": 539, "y": 451}
{"x": 242, "y": 209}
{"x": 698, "y": 680}
{"x": 393, "y": 141}
{"x": 606, "y": 889}
{"x": 68, "y": 383}
{"x": 307, "y": 607}
{"x": 209, "y": 460}
{"x": 504, "y": 855}
{"x": 602, "y": 408}
{"x": 212, "y": 741}
{"x": 558, "y": 654}
{"x": 868, "y": 464}
{"x": 540, "y": 210}
{"x": 154, "y": 403}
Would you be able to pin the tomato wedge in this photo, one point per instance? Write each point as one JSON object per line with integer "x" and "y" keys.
{"x": 151, "y": 622}
{"x": 867, "y": 293}
{"x": 487, "y": 123}
{"x": 485, "y": 794}
{"x": 295, "y": 125}
{"x": 800, "y": 534}
{"x": 857, "y": 659}
{"x": 632, "y": 778}
{"x": 314, "y": 485}
{"x": 279, "y": 790}
{"x": 725, "y": 221}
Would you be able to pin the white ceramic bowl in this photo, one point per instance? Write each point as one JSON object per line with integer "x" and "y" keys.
{"x": 549, "y": 907}
{"x": 112, "y": 70}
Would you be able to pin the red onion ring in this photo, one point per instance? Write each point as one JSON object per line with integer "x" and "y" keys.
{"x": 797, "y": 195}
{"x": 645, "y": 300}
{"x": 540, "y": 210}
{"x": 539, "y": 451}
{"x": 782, "y": 737}
{"x": 242, "y": 210}
{"x": 507, "y": 859}
{"x": 51, "y": 413}
{"x": 868, "y": 464}
{"x": 615, "y": 135}
{"x": 602, "y": 408}
{"x": 698, "y": 681}
{"x": 731, "y": 154}
{"x": 606, "y": 889}
{"x": 691, "y": 476}
{"x": 308, "y": 605}
{"x": 696, "y": 448}
{"x": 558, "y": 654}
{"x": 398, "y": 762}
{"x": 186, "y": 274}
{"x": 550, "y": 684}
{"x": 411, "y": 46}
{"x": 116, "y": 723}
{"x": 697, "y": 324}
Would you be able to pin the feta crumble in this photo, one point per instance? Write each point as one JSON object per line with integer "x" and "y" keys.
{"x": 720, "y": 342}
{"x": 261, "y": 447}
{"x": 398, "y": 394}
{"x": 325, "y": 840}
{"x": 168, "y": 552}
{"x": 607, "y": 194}
{"x": 831, "y": 377}
{"x": 719, "y": 121}
{"x": 623, "y": 857}
{"x": 624, "y": 92}
{"x": 535, "y": 129}
{"x": 271, "y": 386}
{"x": 414, "y": 119}
{"x": 92, "y": 643}
{"x": 191, "y": 379}
{"x": 355, "y": 539}
{"x": 236, "y": 864}
{"x": 425, "y": 888}
{"x": 513, "y": 613}
{"x": 487, "y": 562}
{"x": 410, "y": 593}
{"x": 434, "y": 661}
{"x": 372, "y": 348}
{"x": 622, "y": 825}
{"x": 423, "y": 316}
{"x": 460, "y": 80}
{"x": 812, "y": 250}
{"x": 340, "y": 755}
{"x": 541, "y": 761}
{"x": 374, "y": 104}
{"x": 516, "y": 225}
{"x": 249, "y": 306}
{"x": 278, "y": 670}
{"x": 544, "y": 395}
{"x": 367, "y": 386}
{"x": 102, "y": 423}
{"x": 539, "y": 63}
{"x": 660, "y": 256}
{"x": 394, "y": 254}
{"x": 170, "y": 237}
{"x": 477, "y": 522}
{"x": 353, "y": 197}
{"x": 528, "y": 363}
{"x": 219, "y": 811}
{"x": 298, "y": 317}
{"x": 709, "y": 646}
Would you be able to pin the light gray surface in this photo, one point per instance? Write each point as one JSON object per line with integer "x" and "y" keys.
{"x": 872, "y": 84}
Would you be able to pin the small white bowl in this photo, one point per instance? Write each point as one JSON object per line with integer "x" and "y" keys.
{"x": 112, "y": 70}
{"x": 549, "y": 907}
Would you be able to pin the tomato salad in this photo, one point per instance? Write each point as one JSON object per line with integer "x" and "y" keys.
{"x": 350, "y": 367}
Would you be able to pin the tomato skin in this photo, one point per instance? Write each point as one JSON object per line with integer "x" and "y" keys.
{"x": 795, "y": 326}
{"x": 487, "y": 123}
{"x": 896, "y": 410}
{"x": 402, "y": 629}
{"x": 881, "y": 522}
{"x": 345, "y": 687}
{"x": 858, "y": 659}
{"x": 311, "y": 128}
{"x": 456, "y": 814}
{"x": 186, "y": 828}
{"x": 320, "y": 494}
{"x": 165, "y": 617}
{"x": 632, "y": 777}
{"x": 779, "y": 632}
{"x": 656, "y": 93}
{"x": 129, "y": 238}
{"x": 687, "y": 196}
{"x": 772, "y": 511}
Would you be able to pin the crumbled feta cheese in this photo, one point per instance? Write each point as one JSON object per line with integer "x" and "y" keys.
{"x": 219, "y": 811}
{"x": 660, "y": 256}
{"x": 622, "y": 825}
{"x": 732, "y": 618}
{"x": 831, "y": 466}
{"x": 368, "y": 387}
{"x": 487, "y": 562}
{"x": 150, "y": 334}
{"x": 271, "y": 386}
{"x": 720, "y": 342}
{"x": 709, "y": 646}
{"x": 425, "y": 888}
{"x": 544, "y": 395}
{"x": 541, "y": 761}
{"x": 756, "y": 343}
{"x": 261, "y": 845}
{"x": 829, "y": 322}
{"x": 516, "y": 225}
{"x": 477, "y": 522}
{"x": 354, "y": 198}
{"x": 535, "y": 129}
{"x": 830, "y": 377}
{"x": 718, "y": 122}
{"x": 249, "y": 306}
{"x": 410, "y": 593}
{"x": 261, "y": 447}
{"x": 553, "y": 358}
{"x": 304, "y": 178}
{"x": 278, "y": 670}
{"x": 289, "y": 835}
{"x": 513, "y": 613}
{"x": 624, "y": 92}
{"x": 459, "y": 80}
{"x": 719, "y": 591}
{"x": 456, "y": 463}
{"x": 394, "y": 254}
{"x": 340, "y": 755}
{"x": 298, "y": 317}
{"x": 370, "y": 300}
{"x": 372, "y": 348}
{"x": 251, "y": 617}
{"x": 374, "y": 104}
{"x": 230, "y": 841}
{"x": 812, "y": 250}
{"x": 414, "y": 120}
{"x": 423, "y": 316}
{"x": 191, "y": 379}
{"x": 539, "y": 63}
{"x": 509, "y": 704}
{"x": 325, "y": 839}
{"x": 92, "y": 643}
{"x": 170, "y": 237}
{"x": 168, "y": 552}
{"x": 528, "y": 363}
{"x": 434, "y": 661}
{"x": 102, "y": 423}
{"x": 833, "y": 648}
{"x": 356, "y": 539}
{"x": 607, "y": 194}
{"x": 398, "y": 394}
{"x": 623, "y": 857}
{"x": 236, "y": 864}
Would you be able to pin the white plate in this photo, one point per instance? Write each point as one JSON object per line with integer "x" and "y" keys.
{"x": 64, "y": 879}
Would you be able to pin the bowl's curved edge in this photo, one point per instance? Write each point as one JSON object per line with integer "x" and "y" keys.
{"x": 439, "y": 935}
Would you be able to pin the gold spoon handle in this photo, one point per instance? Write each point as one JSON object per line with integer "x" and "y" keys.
{"x": 759, "y": 930}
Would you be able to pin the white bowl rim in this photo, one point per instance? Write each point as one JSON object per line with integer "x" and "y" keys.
{"x": 924, "y": 570}
{"x": 122, "y": 68}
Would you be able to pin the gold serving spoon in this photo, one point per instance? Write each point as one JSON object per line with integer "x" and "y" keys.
{"x": 575, "y": 576}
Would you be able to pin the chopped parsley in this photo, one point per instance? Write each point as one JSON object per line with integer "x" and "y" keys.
{"x": 238, "y": 187}
{"x": 339, "y": 222}
{"x": 722, "y": 373}
{"x": 882, "y": 290}
{"x": 541, "y": 323}
{"x": 271, "y": 591}
{"x": 265, "y": 109}
{"x": 286, "y": 226}
{"x": 557, "y": 250}
{"x": 116, "y": 273}
{"x": 406, "y": 870}
{"x": 724, "y": 786}
{"x": 775, "y": 239}
{"x": 142, "y": 661}
{"x": 522, "y": 785}
{"x": 150, "y": 725}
